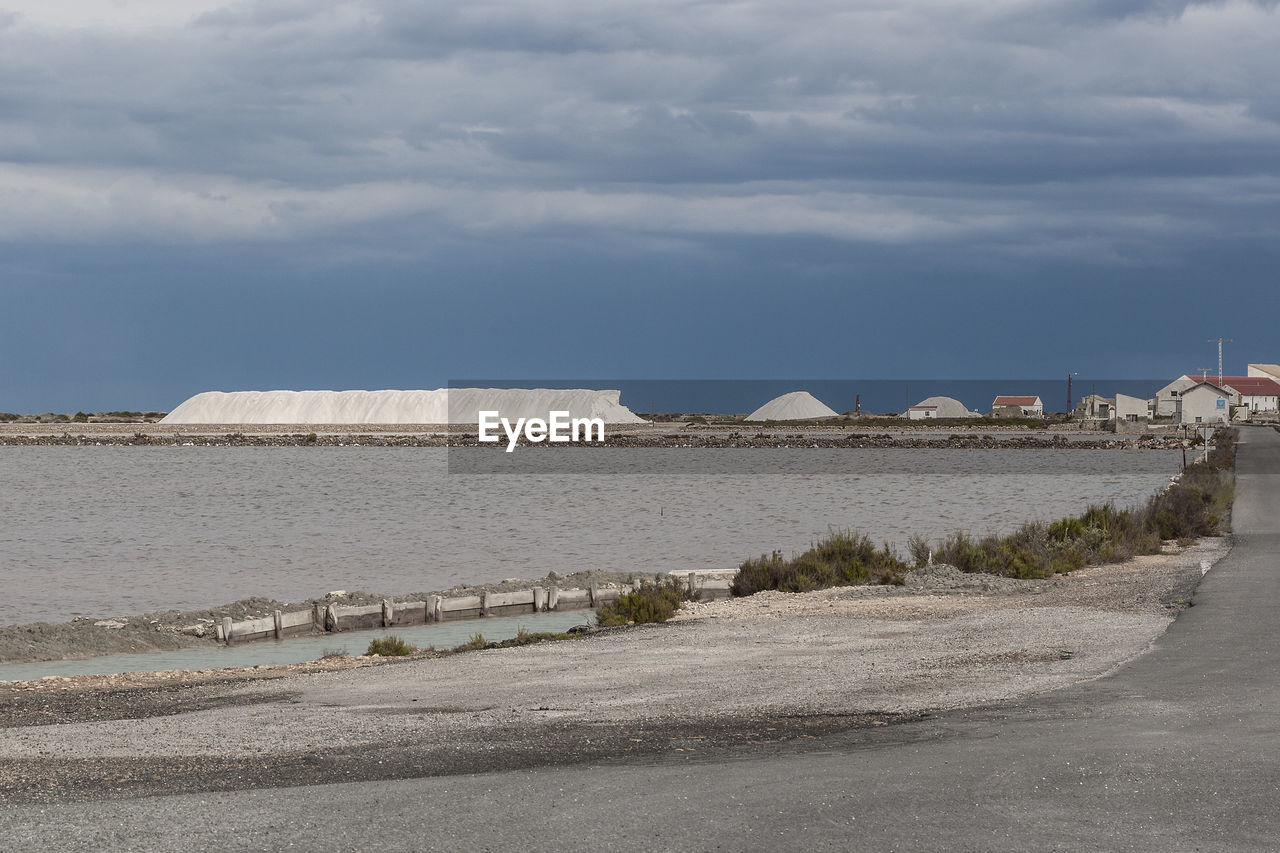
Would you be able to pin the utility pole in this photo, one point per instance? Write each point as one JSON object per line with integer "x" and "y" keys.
{"x": 1219, "y": 342}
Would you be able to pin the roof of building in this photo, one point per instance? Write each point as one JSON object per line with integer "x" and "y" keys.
{"x": 1208, "y": 383}
{"x": 1249, "y": 386}
{"x": 945, "y": 407}
{"x": 924, "y": 407}
{"x": 1016, "y": 401}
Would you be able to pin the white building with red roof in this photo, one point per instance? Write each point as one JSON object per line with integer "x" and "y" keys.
{"x": 1029, "y": 406}
{"x": 1255, "y": 393}
{"x": 1252, "y": 393}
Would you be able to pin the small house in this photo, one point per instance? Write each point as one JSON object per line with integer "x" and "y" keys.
{"x": 1204, "y": 403}
{"x": 1096, "y": 408}
{"x": 1131, "y": 409}
{"x": 932, "y": 408}
{"x": 1167, "y": 397}
{"x": 1030, "y": 407}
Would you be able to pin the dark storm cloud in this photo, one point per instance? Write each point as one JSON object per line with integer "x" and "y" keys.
{"x": 293, "y": 121}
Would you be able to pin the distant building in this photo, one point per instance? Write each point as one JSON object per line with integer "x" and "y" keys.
{"x": 1028, "y": 406}
{"x": 1095, "y": 408}
{"x": 1167, "y": 397}
{"x": 1204, "y": 403}
{"x": 932, "y": 408}
{"x": 1255, "y": 393}
{"x": 1131, "y": 408}
{"x": 1264, "y": 371}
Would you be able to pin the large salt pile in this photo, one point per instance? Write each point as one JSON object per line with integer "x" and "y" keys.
{"x": 796, "y": 406}
{"x": 441, "y": 406}
{"x": 947, "y": 407}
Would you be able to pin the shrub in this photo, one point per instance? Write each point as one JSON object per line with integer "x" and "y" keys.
{"x": 474, "y": 643}
{"x": 389, "y": 646}
{"x": 918, "y": 547}
{"x": 843, "y": 558}
{"x": 654, "y": 601}
{"x": 1197, "y": 505}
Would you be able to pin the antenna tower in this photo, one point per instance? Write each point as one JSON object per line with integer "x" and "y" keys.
{"x": 1219, "y": 342}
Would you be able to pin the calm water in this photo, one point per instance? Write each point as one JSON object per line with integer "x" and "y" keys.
{"x": 97, "y": 531}
{"x": 445, "y": 635}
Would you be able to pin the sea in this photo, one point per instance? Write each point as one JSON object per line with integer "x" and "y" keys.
{"x": 867, "y": 396}
{"x": 118, "y": 531}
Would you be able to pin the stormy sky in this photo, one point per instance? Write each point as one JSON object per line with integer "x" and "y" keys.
{"x": 201, "y": 195}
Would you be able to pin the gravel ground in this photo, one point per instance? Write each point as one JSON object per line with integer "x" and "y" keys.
{"x": 773, "y": 666}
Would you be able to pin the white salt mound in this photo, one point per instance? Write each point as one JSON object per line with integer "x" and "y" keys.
{"x": 441, "y": 406}
{"x": 796, "y": 406}
{"x": 948, "y": 407}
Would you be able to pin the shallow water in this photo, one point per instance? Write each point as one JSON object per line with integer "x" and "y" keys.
{"x": 99, "y": 531}
{"x": 446, "y": 635}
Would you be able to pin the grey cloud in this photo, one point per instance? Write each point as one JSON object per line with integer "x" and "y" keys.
{"x": 949, "y": 103}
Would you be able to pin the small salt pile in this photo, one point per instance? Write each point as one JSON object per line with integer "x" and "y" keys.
{"x": 795, "y": 406}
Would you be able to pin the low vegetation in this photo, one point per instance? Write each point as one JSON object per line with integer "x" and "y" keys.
{"x": 474, "y": 643}
{"x": 389, "y": 646}
{"x": 843, "y": 558}
{"x": 1198, "y": 504}
{"x": 654, "y": 601}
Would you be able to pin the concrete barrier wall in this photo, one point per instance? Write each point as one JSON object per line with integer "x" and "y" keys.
{"x": 387, "y": 614}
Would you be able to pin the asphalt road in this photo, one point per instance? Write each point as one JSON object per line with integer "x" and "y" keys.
{"x": 1179, "y": 750}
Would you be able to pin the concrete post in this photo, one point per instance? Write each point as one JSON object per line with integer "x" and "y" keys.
{"x": 595, "y": 593}
{"x": 484, "y": 603}
{"x": 553, "y": 597}
{"x": 693, "y": 582}
{"x": 278, "y": 618}
{"x": 435, "y": 608}
{"x": 388, "y": 613}
{"x": 330, "y": 618}
{"x": 226, "y": 629}
{"x": 317, "y": 616}
{"x": 539, "y": 599}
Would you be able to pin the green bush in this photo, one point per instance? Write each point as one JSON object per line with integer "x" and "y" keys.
{"x": 652, "y": 602}
{"x": 389, "y": 646}
{"x": 474, "y": 643}
{"x": 843, "y": 558}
